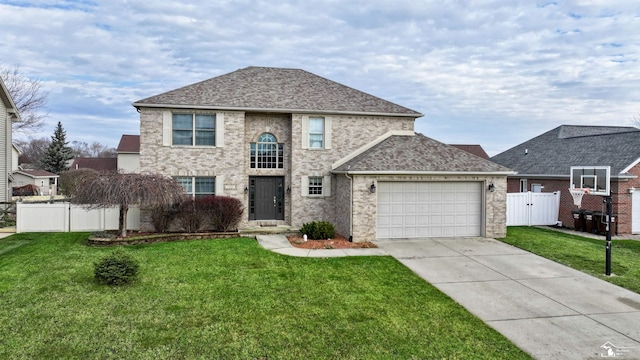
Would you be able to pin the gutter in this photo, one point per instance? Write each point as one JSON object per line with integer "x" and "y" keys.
{"x": 566, "y": 177}
{"x": 438, "y": 173}
{"x": 273, "y": 110}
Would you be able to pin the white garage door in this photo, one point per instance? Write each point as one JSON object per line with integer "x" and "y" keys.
{"x": 429, "y": 209}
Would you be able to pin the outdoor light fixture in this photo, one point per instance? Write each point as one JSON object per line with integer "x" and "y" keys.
{"x": 372, "y": 188}
{"x": 632, "y": 190}
{"x": 492, "y": 187}
{"x": 246, "y": 190}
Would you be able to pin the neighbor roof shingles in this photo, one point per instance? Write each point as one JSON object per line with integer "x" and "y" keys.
{"x": 554, "y": 152}
{"x": 129, "y": 144}
{"x": 418, "y": 153}
{"x": 275, "y": 89}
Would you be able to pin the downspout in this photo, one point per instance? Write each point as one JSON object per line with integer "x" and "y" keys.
{"x": 350, "y": 209}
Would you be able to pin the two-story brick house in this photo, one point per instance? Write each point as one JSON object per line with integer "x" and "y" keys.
{"x": 296, "y": 147}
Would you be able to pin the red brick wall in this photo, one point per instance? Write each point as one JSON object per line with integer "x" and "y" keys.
{"x": 620, "y": 196}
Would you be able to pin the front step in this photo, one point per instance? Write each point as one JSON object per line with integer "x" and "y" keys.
{"x": 268, "y": 229}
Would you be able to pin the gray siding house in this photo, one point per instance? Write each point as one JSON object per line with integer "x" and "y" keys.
{"x": 8, "y": 114}
{"x": 296, "y": 147}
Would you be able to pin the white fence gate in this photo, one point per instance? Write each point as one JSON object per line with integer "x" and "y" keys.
{"x": 529, "y": 208}
{"x": 64, "y": 217}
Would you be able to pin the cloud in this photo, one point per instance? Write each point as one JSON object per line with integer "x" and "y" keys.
{"x": 490, "y": 72}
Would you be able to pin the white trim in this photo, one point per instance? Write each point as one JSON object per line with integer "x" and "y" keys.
{"x": 326, "y": 186}
{"x": 219, "y": 185}
{"x": 167, "y": 135}
{"x": 304, "y": 188}
{"x": 434, "y": 173}
{"x": 370, "y": 145}
{"x": 305, "y": 132}
{"x": 219, "y": 130}
{"x": 625, "y": 170}
{"x": 327, "y": 132}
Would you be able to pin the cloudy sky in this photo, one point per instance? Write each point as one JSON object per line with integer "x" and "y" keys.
{"x": 494, "y": 73}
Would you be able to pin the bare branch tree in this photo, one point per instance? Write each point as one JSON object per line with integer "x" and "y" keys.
{"x": 95, "y": 150}
{"x": 114, "y": 189}
{"x": 29, "y": 96}
{"x": 32, "y": 150}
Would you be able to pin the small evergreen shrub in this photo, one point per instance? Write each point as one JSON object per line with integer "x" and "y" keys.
{"x": 318, "y": 230}
{"x": 117, "y": 268}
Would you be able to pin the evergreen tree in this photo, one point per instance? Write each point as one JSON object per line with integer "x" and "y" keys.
{"x": 58, "y": 153}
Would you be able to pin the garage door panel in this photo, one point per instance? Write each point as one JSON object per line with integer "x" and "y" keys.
{"x": 429, "y": 209}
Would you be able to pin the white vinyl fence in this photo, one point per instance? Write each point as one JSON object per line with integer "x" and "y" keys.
{"x": 64, "y": 217}
{"x": 529, "y": 208}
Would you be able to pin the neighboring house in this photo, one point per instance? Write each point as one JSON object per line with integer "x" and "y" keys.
{"x": 129, "y": 154}
{"x": 476, "y": 150}
{"x": 543, "y": 165}
{"x": 46, "y": 182}
{"x": 8, "y": 114}
{"x": 98, "y": 164}
{"x": 296, "y": 147}
{"x": 15, "y": 158}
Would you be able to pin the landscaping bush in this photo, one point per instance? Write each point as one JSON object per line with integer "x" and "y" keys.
{"x": 223, "y": 213}
{"x": 117, "y": 268}
{"x": 163, "y": 215}
{"x": 191, "y": 216}
{"x": 320, "y": 230}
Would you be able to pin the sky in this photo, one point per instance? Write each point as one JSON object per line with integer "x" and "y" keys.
{"x": 493, "y": 73}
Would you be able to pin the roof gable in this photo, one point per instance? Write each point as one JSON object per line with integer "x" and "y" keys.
{"x": 275, "y": 89}
{"x": 129, "y": 144}
{"x": 554, "y": 152}
{"x": 418, "y": 153}
{"x": 99, "y": 164}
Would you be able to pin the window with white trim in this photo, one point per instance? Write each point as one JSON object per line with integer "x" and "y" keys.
{"x": 315, "y": 185}
{"x": 316, "y": 133}
{"x": 267, "y": 153}
{"x": 197, "y": 186}
{"x": 194, "y": 129}
{"x": 523, "y": 185}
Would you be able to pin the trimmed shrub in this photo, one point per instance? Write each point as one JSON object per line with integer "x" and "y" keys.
{"x": 190, "y": 215}
{"x": 117, "y": 268}
{"x": 223, "y": 213}
{"x": 318, "y": 230}
{"x": 162, "y": 216}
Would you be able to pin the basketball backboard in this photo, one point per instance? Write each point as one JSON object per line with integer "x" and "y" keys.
{"x": 596, "y": 178}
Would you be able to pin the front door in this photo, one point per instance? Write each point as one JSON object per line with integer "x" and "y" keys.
{"x": 266, "y": 198}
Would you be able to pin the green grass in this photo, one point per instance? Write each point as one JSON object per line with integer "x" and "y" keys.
{"x": 580, "y": 253}
{"x": 226, "y": 299}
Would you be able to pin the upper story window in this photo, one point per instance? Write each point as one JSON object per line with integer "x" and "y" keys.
{"x": 316, "y": 132}
{"x": 194, "y": 129}
{"x": 197, "y": 186}
{"x": 267, "y": 153}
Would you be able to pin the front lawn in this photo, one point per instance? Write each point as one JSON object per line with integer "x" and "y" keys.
{"x": 226, "y": 299}
{"x": 580, "y": 253}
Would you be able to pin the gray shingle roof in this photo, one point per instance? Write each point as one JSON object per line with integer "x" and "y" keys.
{"x": 554, "y": 152}
{"x": 418, "y": 153}
{"x": 275, "y": 89}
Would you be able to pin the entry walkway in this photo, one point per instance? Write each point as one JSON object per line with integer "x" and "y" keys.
{"x": 549, "y": 310}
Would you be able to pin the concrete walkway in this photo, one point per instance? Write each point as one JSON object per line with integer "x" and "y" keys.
{"x": 549, "y": 310}
{"x": 279, "y": 243}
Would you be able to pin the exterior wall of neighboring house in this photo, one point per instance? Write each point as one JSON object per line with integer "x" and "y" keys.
{"x": 15, "y": 156}
{"x": 129, "y": 163}
{"x": 620, "y": 198}
{"x": 43, "y": 183}
{"x": 5, "y": 151}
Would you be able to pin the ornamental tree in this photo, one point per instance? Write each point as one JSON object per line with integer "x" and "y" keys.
{"x": 102, "y": 190}
{"x": 55, "y": 159}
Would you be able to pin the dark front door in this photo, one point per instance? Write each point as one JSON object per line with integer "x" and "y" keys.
{"x": 266, "y": 198}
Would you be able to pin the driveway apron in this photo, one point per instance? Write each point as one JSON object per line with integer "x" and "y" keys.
{"x": 549, "y": 310}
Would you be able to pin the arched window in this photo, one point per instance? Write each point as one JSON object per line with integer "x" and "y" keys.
{"x": 267, "y": 153}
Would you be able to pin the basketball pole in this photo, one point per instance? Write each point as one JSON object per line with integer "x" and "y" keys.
{"x": 607, "y": 200}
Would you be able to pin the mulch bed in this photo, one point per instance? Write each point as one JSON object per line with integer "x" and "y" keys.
{"x": 338, "y": 242}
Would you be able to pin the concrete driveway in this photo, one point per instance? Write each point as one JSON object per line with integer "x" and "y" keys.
{"x": 549, "y": 310}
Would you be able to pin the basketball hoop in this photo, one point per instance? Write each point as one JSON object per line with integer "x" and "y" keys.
{"x": 577, "y": 194}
